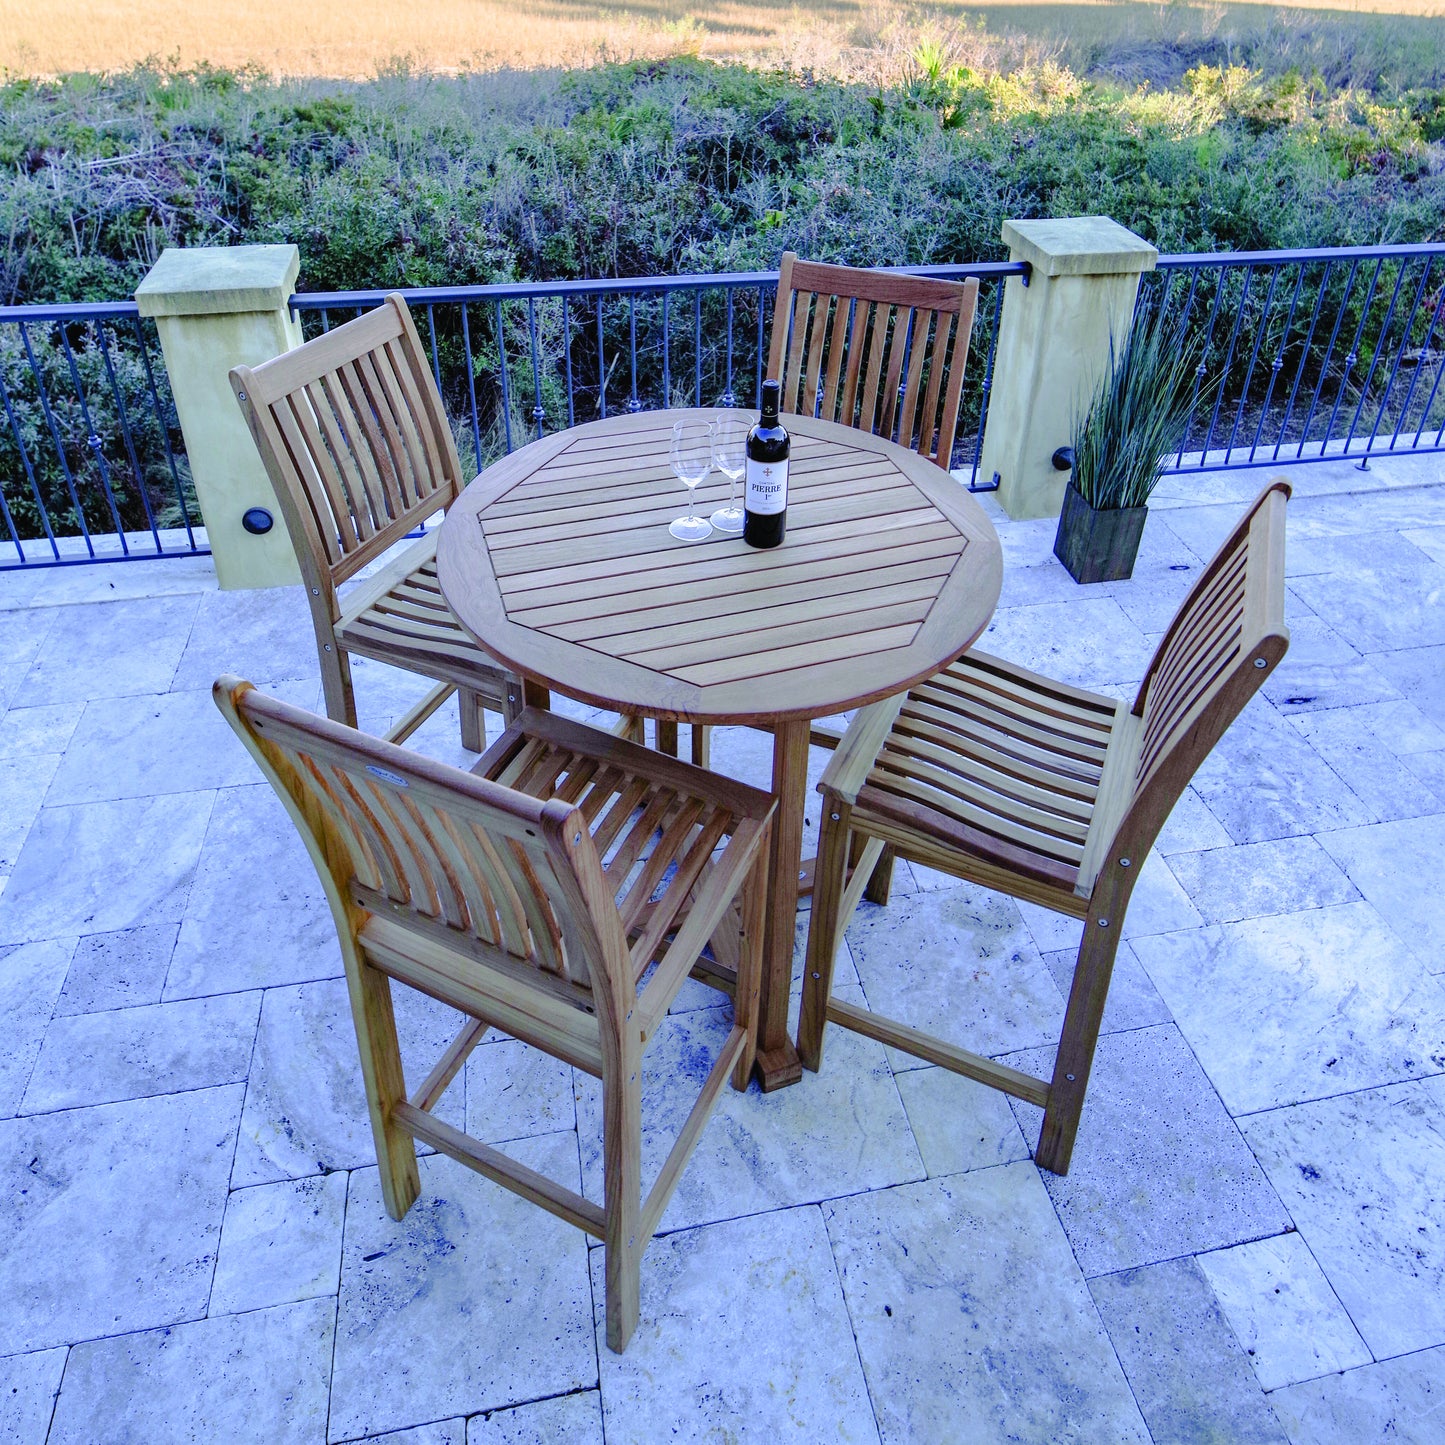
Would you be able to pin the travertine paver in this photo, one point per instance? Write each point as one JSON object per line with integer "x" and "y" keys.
{"x": 280, "y": 1243}
{"x": 1186, "y": 1368}
{"x": 575, "y": 1418}
{"x": 117, "y": 970}
{"x": 744, "y": 1334}
{"x": 108, "y": 649}
{"x": 1300, "y": 1006}
{"x": 137, "y": 747}
{"x": 256, "y": 1376}
{"x": 1396, "y": 1400}
{"x": 972, "y": 1319}
{"x": 514, "y": 1092}
{"x": 476, "y": 1300}
{"x": 31, "y": 976}
{"x": 23, "y": 785}
{"x": 92, "y": 1242}
{"x": 28, "y": 1386}
{"x": 959, "y": 1124}
{"x": 1159, "y": 1168}
{"x": 130, "y": 1053}
{"x": 1285, "y": 876}
{"x": 163, "y": 934}
{"x": 1133, "y": 1003}
{"x": 1389, "y": 865}
{"x": 254, "y": 871}
{"x": 99, "y": 867}
{"x": 1360, "y": 1175}
{"x": 439, "y": 1432}
{"x": 1283, "y": 1310}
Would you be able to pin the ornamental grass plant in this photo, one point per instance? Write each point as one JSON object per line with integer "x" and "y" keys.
{"x": 1138, "y": 415}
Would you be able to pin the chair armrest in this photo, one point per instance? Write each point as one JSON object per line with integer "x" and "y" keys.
{"x": 851, "y": 763}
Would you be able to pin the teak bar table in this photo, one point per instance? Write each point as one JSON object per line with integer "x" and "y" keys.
{"x": 558, "y": 561}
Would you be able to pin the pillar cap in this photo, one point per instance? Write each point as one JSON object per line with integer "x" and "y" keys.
{"x": 219, "y": 280}
{"x": 1078, "y": 246}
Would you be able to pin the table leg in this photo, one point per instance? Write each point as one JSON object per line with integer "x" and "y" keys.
{"x": 534, "y": 694}
{"x": 777, "y": 1063}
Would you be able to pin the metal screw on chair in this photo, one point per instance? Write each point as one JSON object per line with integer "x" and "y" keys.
{"x": 1259, "y": 662}
{"x": 1103, "y": 923}
{"x": 1124, "y": 862}
{"x": 241, "y": 395}
{"x": 316, "y": 592}
{"x": 1069, "y": 1077}
{"x": 833, "y": 816}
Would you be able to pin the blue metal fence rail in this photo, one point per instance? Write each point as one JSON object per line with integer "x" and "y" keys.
{"x": 1310, "y": 355}
{"x": 1304, "y": 356}
{"x": 92, "y": 465}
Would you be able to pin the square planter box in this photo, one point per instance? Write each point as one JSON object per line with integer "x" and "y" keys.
{"x": 1097, "y": 546}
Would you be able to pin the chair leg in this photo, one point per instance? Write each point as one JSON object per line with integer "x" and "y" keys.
{"x": 1077, "y": 1042}
{"x": 880, "y": 883}
{"x": 701, "y": 745}
{"x": 336, "y": 683}
{"x": 381, "y": 1072}
{"x": 667, "y": 737}
{"x": 829, "y": 878}
{"x": 622, "y": 1187}
{"x": 513, "y": 701}
{"x": 474, "y": 726}
{"x": 750, "y": 959}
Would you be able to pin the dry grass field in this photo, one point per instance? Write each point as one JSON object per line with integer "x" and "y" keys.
{"x": 353, "y": 38}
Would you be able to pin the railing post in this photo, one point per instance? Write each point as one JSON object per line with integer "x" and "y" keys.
{"x": 1053, "y": 347}
{"x": 216, "y": 307}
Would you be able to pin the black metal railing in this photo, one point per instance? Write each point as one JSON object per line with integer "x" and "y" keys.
{"x": 1303, "y": 356}
{"x": 92, "y": 464}
{"x": 1307, "y": 356}
{"x": 517, "y": 361}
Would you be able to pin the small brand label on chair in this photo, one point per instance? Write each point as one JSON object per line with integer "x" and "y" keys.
{"x": 387, "y": 776}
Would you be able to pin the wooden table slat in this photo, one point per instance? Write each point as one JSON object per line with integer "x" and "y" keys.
{"x": 599, "y": 618}
{"x": 826, "y": 550}
{"x": 785, "y": 622}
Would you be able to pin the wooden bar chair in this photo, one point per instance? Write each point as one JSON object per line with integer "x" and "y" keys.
{"x": 873, "y": 349}
{"x": 562, "y": 891}
{"x": 1044, "y": 792}
{"x": 357, "y": 445}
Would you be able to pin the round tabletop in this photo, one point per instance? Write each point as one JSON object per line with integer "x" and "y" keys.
{"x": 558, "y": 560}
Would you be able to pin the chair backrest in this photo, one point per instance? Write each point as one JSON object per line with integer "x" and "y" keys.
{"x": 513, "y": 883}
{"x": 1228, "y": 636}
{"x": 874, "y": 350}
{"x": 355, "y": 440}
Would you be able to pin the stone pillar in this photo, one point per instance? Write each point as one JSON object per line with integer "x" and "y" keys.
{"x": 216, "y": 307}
{"x": 1053, "y": 347}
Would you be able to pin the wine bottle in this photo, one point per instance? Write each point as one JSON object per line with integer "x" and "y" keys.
{"x": 765, "y": 516}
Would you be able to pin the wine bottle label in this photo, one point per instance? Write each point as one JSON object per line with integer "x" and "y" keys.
{"x": 767, "y": 493}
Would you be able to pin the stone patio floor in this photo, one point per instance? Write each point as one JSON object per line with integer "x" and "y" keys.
{"x": 1250, "y": 1246}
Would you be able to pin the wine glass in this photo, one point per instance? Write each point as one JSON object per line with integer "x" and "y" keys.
{"x": 692, "y": 461}
{"x": 730, "y": 456}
